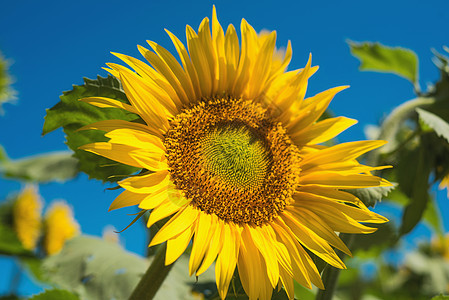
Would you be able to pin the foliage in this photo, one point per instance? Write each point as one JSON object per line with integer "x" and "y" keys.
{"x": 71, "y": 114}
{"x": 380, "y": 58}
{"x": 7, "y": 94}
{"x": 55, "y": 294}
{"x": 55, "y": 166}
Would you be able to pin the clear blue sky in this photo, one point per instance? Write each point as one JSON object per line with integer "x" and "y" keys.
{"x": 53, "y": 44}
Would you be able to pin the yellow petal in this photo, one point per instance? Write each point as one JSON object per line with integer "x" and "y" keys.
{"x": 318, "y": 226}
{"x": 232, "y": 51}
{"x": 341, "y": 152}
{"x": 312, "y": 108}
{"x": 304, "y": 269}
{"x": 360, "y": 215}
{"x": 339, "y": 221}
{"x": 106, "y": 102}
{"x": 128, "y": 155}
{"x": 312, "y": 241}
{"x": 183, "y": 219}
{"x": 148, "y": 107}
{"x": 268, "y": 253}
{"x": 218, "y": 42}
{"x": 252, "y": 268}
{"x": 177, "y": 245}
{"x": 337, "y": 180}
{"x": 146, "y": 184}
{"x": 322, "y": 131}
{"x": 136, "y": 138}
{"x": 187, "y": 64}
{"x": 203, "y": 234}
{"x": 227, "y": 259}
{"x": 332, "y": 194}
{"x": 167, "y": 192}
{"x": 125, "y": 199}
{"x": 165, "y": 209}
{"x": 168, "y": 66}
{"x": 214, "y": 247}
{"x": 109, "y": 125}
{"x": 204, "y": 36}
{"x": 262, "y": 67}
{"x": 154, "y": 82}
{"x": 199, "y": 61}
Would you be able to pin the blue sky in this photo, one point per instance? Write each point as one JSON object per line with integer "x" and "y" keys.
{"x": 54, "y": 44}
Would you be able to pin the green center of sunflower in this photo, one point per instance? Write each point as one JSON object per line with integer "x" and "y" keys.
{"x": 235, "y": 155}
{"x": 231, "y": 159}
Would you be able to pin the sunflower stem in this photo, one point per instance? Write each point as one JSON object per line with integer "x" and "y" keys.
{"x": 152, "y": 280}
{"x": 331, "y": 274}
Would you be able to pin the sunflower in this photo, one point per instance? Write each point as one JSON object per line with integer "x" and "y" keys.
{"x": 60, "y": 226}
{"x": 27, "y": 217}
{"x": 230, "y": 149}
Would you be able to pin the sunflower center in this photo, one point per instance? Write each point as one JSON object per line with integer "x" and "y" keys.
{"x": 232, "y": 160}
{"x": 235, "y": 155}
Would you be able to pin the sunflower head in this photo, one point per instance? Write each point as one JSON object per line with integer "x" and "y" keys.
{"x": 27, "y": 217}
{"x": 59, "y": 226}
{"x": 232, "y": 150}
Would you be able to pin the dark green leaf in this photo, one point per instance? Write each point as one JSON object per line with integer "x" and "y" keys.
{"x": 71, "y": 114}
{"x": 380, "y": 58}
{"x": 3, "y": 156}
{"x": 440, "y": 126}
{"x": 413, "y": 177}
{"x": 370, "y": 196}
{"x": 55, "y": 294}
{"x": 10, "y": 297}
{"x": 303, "y": 293}
{"x": 34, "y": 267}
{"x": 441, "y": 89}
{"x": 432, "y": 217}
{"x": 441, "y": 297}
{"x": 9, "y": 242}
{"x": 373, "y": 244}
{"x": 55, "y": 166}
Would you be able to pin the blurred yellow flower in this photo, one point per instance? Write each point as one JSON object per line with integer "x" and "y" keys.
{"x": 60, "y": 226}
{"x": 27, "y": 217}
{"x": 441, "y": 246}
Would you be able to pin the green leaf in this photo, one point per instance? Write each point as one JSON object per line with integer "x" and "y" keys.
{"x": 55, "y": 294}
{"x": 303, "y": 293}
{"x": 3, "y": 156}
{"x": 10, "y": 243}
{"x": 413, "y": 177}
{"x": 54, "y": 166}
{"x": 97, "y": 269}
{"x": 440, "y": 126}
{"x": 372, "y": 245}
{"x": 370, "y": 196}
{"x": 34, "y": 267}
{"x": 94, "y": 269}
{"x": 71, "y": 114}
{"x": 380, "y": 58}
{"x": 432, "y": 217}
{"x": 441, "y": 297}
